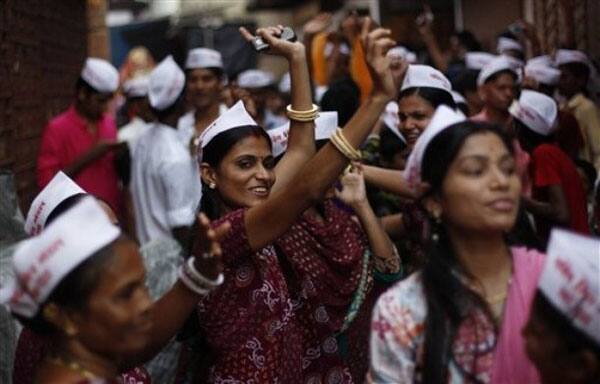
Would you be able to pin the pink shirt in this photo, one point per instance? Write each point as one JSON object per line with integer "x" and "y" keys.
{"x": 65, "y": 139}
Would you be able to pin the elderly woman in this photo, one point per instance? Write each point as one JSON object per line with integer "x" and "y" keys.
{"x": 458, "y": 319}
{"x": 80, "y": 283}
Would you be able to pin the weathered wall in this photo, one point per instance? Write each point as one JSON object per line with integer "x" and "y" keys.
{"x": 42, "y": 46}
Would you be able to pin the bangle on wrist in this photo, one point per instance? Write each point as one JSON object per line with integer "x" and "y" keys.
{"x": 302, "y": 116}
{"x": 190, "y": 284}
{"x": 191, "y": 270}
{"x": 340, "y": 142}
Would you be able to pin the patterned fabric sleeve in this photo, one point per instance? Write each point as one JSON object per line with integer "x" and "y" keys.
{"x": 396, "y": 334}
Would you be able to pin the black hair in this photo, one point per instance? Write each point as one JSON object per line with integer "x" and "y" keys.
{"x": 434, "y": 96}
{"x": 465, "y": 81}
{"x": 82, "y": 84}
{"x": 213, "y": 154}
{"x": 162, "y": 114}
{"x": 468, "y": 40}
{"x": 527, "y": 137}
{"x": 579, "y": 70}
{"x": 449, "y": 300}
{"x": 572, "y": 339}
{"x": 589, "y": 170}
{"x": 218, "y": 72}
{"x": 74, "y": 290}
{"x": 64, "y": 206}
{"x": 500, "y": 73}
{"x": 389, "y": 145}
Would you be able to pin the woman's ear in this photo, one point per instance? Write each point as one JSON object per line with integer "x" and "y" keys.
{"x": 433, "y": 206}
{"x": 60, "y": 319}
{"x": 208, "y": 175}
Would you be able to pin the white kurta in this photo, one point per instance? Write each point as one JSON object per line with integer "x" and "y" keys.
{"x": 165, "y": 184}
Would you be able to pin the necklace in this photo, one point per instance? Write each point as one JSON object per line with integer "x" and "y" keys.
{"x": 73, "y": 366}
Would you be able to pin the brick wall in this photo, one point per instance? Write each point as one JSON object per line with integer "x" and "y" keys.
{"x": 42, "y": 46}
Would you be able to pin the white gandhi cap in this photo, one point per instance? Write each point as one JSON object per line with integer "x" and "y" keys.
{"x": 536, "y": 110}
{"x": 425, "y": 76}
{"x": 203, "y": 58}
{"x": 100, "y": 75}
{"x": 570, "y": 280}
{"x": 441, "y": 120}
{"x": 60, "y": 188}
{"x": 41, "y": 262}
{"x": 325, "y": 126}
{"x": 166, "y": 84}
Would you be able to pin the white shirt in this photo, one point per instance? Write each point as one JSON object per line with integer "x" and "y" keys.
{"x": 186, "y": 126}
{"x": 165, "y": 184}
{"x": 132, "y": 131}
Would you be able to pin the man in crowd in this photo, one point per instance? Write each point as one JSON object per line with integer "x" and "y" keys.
{"x": 82, "y": 140}
{"x": 165, "y": 184}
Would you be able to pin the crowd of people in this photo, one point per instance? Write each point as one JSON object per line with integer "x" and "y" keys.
{"x": 376, "y": 216}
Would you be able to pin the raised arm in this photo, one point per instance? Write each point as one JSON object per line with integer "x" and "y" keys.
{"x": 424, "y": 22}
{"x": 170, "y": 312}
{"x": 354, "y": 194}
{"x": 301, "y": 139}
{"x": 266, "y": 221}
{"x": 391, "y": 180}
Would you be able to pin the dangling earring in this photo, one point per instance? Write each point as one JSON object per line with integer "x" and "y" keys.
{"x": 212, "y": 185}
{"x": 437, "y": 224}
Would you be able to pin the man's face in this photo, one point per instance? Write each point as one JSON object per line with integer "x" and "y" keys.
{"x": 203, "y": 88}
{"x": 500, "y": 92}
{"x": 93, "y": 104}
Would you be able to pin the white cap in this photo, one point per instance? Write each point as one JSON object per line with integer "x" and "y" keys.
{"x": 478, "y": 60}
{"x": 41, "y": 262}
{"x": 325, "y": 125}
{"x": 100, "y": 75}
{"x": 60, "y": 188}
{"x": 166, "y": 84}
{"x": 498, "y": 64}
{"x": 285, "y": 84}
{"x": 536, "y": 110}
{"x": 137, "y": 87}
{"x": 458, "y": 98}
{"x": 543, "y": 74}
{"x": 403, "y": 53}
{"x": 425, "y": 76}
{"x": 203, "y": 58}
{"x": 255, "y": 78}
{"x": 570, "y": 280}
{"x": 565, "y": 56}
{"x": 392, "y": 120}
{"x": 442, "y": 118}
{"x": 343, "y": 48}
{"x": 506, "y": 44}
{"x": 543, "y": 60}
{"x": 235, "y": 116}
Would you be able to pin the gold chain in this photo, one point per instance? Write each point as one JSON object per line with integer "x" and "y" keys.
{"x": 73, "y": 366}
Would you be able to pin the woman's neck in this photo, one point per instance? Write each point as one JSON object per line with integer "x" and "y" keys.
{"x": 496, "y": 116}
{"x": 73, "y": 353}
{"x": 484, "y": 255}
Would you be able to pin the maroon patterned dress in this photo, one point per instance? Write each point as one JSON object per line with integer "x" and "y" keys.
{"x": 257, "y": 323}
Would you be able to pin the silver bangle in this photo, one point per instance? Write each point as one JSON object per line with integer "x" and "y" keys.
{"x": 201, "y": 279}
{"x": 190, "y": 284}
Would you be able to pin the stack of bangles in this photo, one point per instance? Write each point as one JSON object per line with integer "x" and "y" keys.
{"x": 341, "y": 143}
{"x": 195, "y": 281}
{"x": 302, "y": 116}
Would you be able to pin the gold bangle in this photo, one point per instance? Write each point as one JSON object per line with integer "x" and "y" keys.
{"x": 303, "y": 116}
{"x": 339, "y": 141}
{"x": 347, "y": 144}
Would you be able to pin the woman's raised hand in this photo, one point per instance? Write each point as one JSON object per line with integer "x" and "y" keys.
{"x": 207, "y": 247}
{"x": 353, "y": 192}
{"x": 376, "y": 43}
{"x": 277, "y": 46}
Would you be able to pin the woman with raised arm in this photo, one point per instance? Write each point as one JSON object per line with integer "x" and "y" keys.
{"x": 458, "y": 319}
{"x": 256, "y": 324}
{"x": 80, "y": 283}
